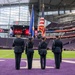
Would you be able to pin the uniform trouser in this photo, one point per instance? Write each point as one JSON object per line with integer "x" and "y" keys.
{"x": 17, "y": 60}
{"x": 60, "y": 57}
{"x": 43, "y": 61}
{"x": 29, "y": 59}
{"x": 57, "y": 60}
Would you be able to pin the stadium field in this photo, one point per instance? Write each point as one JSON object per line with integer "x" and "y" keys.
{"x": 7, "y": 64}
{"x": 10, "y": 54}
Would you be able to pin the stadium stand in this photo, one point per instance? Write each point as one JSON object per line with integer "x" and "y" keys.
{"x": 69, "y": 43}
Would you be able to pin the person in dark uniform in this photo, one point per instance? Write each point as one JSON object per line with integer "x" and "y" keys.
{"x": 42, "y": 49}
{"x": 57, "y": 49}
{"x": 18, "y": 45}
{"x": 29, "y": 52}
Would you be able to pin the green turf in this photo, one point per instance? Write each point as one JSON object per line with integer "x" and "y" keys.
{"x": 10, "y": 54}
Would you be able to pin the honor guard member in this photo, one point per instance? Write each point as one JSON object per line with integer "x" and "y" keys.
{"x": 42, "y": 49}
{"x": 57, "y": 49}
{"x": 29, "y": 52}
{"x": 18, "y": 45}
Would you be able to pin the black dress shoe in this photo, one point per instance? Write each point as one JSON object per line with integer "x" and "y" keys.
{"x": 29, "y": 68}
{"x": 17, "y": 68}
{"x": 57, "y": 68}
{"x": 42, "y": 68}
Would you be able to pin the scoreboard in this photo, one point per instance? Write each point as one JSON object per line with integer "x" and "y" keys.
{"x": 24, "y": 30}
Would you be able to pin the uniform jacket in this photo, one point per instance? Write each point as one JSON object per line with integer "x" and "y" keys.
{"x": 57, "y": 46}
{"x": 29, "y": 48}
{"x": 42, "y": 48}
{"x": 18, "y": 45}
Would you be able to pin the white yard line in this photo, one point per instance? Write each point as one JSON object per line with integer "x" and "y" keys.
{"x": 69, "y": 61}
{"x": 1, "y": 60}
{"x": 35, "y": 64}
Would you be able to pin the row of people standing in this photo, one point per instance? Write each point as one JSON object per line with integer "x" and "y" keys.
{"x": 19, "y": 45}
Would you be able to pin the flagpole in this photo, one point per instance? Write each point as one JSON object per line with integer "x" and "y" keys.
{"x": 32, "y": 5}
{"x": 44, "y": 20}
{"x": 43, "y": 5}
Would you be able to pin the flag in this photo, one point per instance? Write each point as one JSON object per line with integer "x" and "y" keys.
{"x": 41, "y": 26}
{"x": 31, "y": 27}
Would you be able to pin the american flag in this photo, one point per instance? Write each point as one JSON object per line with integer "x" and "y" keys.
{"x": 41, "y": 26}
{"x": 42, "y": 21}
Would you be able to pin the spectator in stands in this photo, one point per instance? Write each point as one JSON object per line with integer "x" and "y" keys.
{"x": 29, "y": 52}
{"x": 57, "y": 50}
{"x": 42, "y": 50}
{"x": 18, "y": 45}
